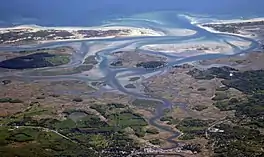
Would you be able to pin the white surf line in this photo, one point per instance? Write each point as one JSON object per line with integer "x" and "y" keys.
{"x": 234, "y": 21}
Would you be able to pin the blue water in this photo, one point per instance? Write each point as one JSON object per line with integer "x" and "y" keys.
{"x": 98, "y": 12}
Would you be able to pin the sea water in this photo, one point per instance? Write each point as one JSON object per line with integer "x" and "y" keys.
{"x": 122, "y": 12}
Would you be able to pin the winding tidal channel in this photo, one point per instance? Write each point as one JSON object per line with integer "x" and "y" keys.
{"x": 113, "y": 77}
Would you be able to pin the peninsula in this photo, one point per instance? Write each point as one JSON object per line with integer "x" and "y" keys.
{"x": 23, "y": 35}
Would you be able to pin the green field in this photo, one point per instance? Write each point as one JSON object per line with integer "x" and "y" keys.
{"x": 87, "y": 135}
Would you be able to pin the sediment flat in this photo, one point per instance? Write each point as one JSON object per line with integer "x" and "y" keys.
{"x": 195, "y": 48}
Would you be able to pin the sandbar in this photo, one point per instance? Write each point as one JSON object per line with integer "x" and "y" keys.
{"x": 191, "y": 48}
{"x": 180, "y": 32}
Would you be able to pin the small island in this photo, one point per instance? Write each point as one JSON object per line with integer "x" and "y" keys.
{"x": 138, "y": 59}
{"x": 151, "y": 64}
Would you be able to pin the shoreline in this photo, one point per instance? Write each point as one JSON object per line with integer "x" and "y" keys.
{"x": 226, "y": 22}
{"x": 234, "y": 21}
{"x": 98, "y": 28}
{"x": 72, "y": 34}
{"x": 212, "y": 30}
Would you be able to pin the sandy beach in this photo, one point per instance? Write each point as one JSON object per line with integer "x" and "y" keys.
{"x": 237, "y": 21}
{"x": 241, "y": 33}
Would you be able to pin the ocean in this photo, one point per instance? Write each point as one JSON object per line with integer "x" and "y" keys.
{"x": 101, "y": 12}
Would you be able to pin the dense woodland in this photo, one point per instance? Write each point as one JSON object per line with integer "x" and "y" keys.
{"x": 35, "y": 60}
{"x": 243, "y": 137}
{"x": 151, "y": 64}
{"x": 26, "y": 36}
